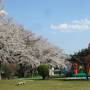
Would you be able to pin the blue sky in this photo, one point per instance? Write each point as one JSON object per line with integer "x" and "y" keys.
{"x": 65, "y": 23}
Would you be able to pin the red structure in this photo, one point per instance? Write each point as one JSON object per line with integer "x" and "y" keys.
{"x": 75, "y": 68}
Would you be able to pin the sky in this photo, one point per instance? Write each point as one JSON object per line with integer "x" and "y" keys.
{"x": 64, "y": 23}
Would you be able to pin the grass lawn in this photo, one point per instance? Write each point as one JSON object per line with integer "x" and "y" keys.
{"x": 45, "y": 85}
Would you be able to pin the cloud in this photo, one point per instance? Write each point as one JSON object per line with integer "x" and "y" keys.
{"x": 3, "y": 13}
{"x": 74, "y": 26}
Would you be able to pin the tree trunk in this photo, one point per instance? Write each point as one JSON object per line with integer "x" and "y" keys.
{"x": 0, "y": 70}
{"x": 43, "y": 77}
{"x": 0, "y": 75}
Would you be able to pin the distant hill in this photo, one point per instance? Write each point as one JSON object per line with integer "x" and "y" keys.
{"x": 18, "y": 45}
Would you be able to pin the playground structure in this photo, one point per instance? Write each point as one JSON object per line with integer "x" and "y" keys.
{"x": 77, "y": 70}
{"x": 80, "y": 70}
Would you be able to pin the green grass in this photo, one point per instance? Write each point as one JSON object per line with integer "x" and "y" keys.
{"x": 45, "y": 85}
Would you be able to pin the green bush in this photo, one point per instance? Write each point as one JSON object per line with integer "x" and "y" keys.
{"x": 43, "y": 70}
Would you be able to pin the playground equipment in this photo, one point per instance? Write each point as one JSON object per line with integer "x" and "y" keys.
{"x": 80, "y": 70}
{"x": 77, "y": 70}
